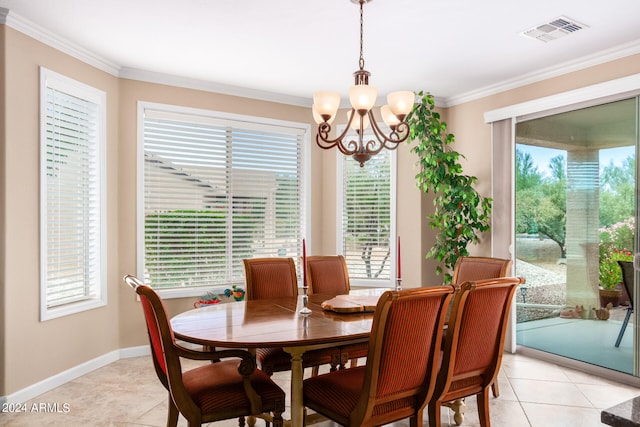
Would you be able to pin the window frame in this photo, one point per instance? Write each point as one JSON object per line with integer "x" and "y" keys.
{"x": 340, "y": 206}
{"x": 98, "y": 285}
{"x": 305, "y": 175}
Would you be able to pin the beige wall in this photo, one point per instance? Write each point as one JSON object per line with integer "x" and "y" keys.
{"x": 32, "y": 351}
{"x": 35, "y": 350}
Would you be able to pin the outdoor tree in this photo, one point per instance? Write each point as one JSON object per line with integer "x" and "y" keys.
{"x": 617, "y": 192}
{"x": 541, "y": 200}
{"x": 552, "y": 211}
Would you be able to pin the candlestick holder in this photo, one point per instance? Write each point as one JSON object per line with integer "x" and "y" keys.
{"x": 305, "y": 302}
{"x": 398, "y": 284}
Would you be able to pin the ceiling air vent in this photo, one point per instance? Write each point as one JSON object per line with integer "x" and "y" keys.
{"x": 554, "y": 29}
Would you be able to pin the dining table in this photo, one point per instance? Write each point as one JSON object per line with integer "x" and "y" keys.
{"x": 277, "y": 322}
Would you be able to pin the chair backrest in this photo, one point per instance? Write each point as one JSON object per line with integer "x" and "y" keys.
{"x": 162, "y": 340}
{"x": 471, "y": 268}
{"x": 475, "y": 336}
{"x": 404, "y": 354}
{"x": 327, "y": 275}
{"x": 270, "y": 278}
{"x": 628, "y": 278}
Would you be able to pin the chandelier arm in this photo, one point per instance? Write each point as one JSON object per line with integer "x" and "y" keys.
{"x": 370, "y": 147}
{"x": 323, "y": 141}
{"x": 391, "y": 142}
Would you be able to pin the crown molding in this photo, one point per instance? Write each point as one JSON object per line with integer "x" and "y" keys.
{"x": 622, "y": 86}
{"x": 43, "y": 35}
{"x": 207, "y": 86}
{"x": 598, "y": 58}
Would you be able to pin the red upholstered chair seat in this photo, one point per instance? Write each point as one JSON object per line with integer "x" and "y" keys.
{"x": 218, "y": 387}
{"x": 338, "y": 390}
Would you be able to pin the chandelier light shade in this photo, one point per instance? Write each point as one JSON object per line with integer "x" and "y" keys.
{"x": 363, "y": 98}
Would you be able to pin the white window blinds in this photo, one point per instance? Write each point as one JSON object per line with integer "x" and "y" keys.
{"x": 217, "y": 190}
{"x": 367, "y": 214}
{"x": 72, "y": 196}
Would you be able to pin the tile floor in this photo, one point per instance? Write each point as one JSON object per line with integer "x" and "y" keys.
{"x": 127, "y": 393}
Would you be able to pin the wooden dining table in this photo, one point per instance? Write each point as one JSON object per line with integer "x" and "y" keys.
{"x": 277, "y": 322}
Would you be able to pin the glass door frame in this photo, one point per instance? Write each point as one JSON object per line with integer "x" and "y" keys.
{"x": 503, "y": 122}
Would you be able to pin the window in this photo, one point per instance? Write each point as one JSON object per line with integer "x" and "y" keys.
{"x": 217, "y": 188}
{"x": 367, "y": 218}
{"x": 72, "y": 188}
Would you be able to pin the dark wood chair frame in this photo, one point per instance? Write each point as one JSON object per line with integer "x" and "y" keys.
{"x": 180, "y": 401}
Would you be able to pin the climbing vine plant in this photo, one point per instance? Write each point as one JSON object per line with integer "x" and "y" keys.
{"x": 460, "y": 212}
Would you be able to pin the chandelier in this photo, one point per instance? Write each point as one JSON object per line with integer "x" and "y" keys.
{"x": 362, "y": 97}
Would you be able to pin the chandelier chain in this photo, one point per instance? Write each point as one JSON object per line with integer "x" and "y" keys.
{"x": 361, "y": 61}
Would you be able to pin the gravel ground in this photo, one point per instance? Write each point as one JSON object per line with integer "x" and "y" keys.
{"x": 537, "y": 262}
{"x": 546, "y": 284}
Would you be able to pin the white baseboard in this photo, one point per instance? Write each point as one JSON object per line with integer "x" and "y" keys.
{"x": 71, "y": 374}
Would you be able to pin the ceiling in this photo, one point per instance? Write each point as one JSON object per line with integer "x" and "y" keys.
{"x": 285, "y": 50}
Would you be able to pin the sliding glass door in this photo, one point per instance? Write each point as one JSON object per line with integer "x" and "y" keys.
{"x": 575, "y": 216}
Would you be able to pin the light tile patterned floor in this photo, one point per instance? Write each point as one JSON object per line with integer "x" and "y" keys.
{"x": 532, "y": 393}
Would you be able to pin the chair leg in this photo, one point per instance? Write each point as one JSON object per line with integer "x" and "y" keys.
{"x": 344, "y": 358}
{"x": 483, "y": 408}
{"x": 623, "y": 327}
{"x": 172, "y": 416}
{"x": 335, "y": 361}
{"x": 416, "y": 420}
{"x": 495, "y": 389}
{"x": 433, "y": 412}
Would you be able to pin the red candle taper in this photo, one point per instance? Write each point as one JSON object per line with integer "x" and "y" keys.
{"x": 399, "y": 262}
{"x": 304, "y": 263}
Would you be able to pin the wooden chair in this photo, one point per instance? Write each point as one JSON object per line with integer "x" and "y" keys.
{"x": 628, "y": 279}
{"x": 468, "y": 269}
{"x": 329, "y": 275}
{"x": 273, "y": 278}
{"x": 473, "y": 345}
{"x": 229, "y": 387}
{"x": 399, "y": 376}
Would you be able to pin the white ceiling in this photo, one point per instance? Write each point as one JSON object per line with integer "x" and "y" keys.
{"x": 287, "y": 49}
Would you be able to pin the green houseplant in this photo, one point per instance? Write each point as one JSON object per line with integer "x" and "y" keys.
{"x": 460, "y": 213}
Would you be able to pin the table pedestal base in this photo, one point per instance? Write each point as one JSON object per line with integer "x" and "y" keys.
{"x": 458, "y": 407}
